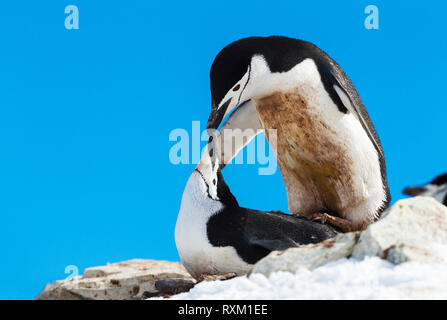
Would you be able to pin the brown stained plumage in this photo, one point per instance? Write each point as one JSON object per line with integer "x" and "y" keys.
{"x": 314, "y": 164}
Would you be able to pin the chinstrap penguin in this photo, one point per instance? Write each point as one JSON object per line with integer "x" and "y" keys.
{"x": 437, "y": 189}
{"x": 328, "y": 151}
{"x": 215, "y": 236}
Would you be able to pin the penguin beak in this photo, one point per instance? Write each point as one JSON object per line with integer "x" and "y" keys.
{"x": 217, "y": 115}
{"x": 414, "y": 190}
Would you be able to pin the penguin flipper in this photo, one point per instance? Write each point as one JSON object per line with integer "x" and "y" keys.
{"x": 274, "y": 245}
{"x": 345, "y": 95}
{"x": 279, "y": 231}
{"x": 350, "y": 98}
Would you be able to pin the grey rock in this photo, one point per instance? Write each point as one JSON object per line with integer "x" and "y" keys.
{"x": 133, "y": 279}
{"x": 412, "y": 230}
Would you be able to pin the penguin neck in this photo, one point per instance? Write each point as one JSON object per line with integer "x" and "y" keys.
{"x": 208, "y": 165}
{"x": 209, "y": 169}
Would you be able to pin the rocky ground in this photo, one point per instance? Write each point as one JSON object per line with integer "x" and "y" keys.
{"x": 412, "y": 231}
{"x": 133, "y": 279}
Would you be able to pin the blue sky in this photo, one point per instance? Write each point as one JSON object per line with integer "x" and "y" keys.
{"x": 85, "y": 116}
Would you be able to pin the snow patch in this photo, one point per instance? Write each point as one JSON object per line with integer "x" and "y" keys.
{"x": 371, "y": 278}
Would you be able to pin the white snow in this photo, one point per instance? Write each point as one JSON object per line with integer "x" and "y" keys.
{"x": 371, "y": 278}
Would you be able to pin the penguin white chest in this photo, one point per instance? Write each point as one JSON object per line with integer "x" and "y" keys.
{"x": 198, "y": 255}
{"x": 326, "y": 158}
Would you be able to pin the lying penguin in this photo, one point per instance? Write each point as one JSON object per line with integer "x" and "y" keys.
{"x": 437, "y": 189}
{"x": 328, "y": 150}
{"x": 215, "y": 236}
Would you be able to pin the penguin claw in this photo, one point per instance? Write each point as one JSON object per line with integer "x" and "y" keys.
{"x": 343, "y": 224}
{"x": 320, "y": 217}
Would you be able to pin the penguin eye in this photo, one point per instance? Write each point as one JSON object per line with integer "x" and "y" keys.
{"x": 236, "y": 88}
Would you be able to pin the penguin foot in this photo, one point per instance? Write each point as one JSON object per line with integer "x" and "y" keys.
{"x": 215, "y": 277}
{"x": 343, "y": 224}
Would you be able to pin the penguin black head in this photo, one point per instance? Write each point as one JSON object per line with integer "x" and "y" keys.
{"x": 436, "y": 188}
{"x": 237, "y": 70}
{"x": 439, "y": 180}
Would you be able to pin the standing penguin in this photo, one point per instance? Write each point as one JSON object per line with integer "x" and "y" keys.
{"x": 328, "y": 150}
